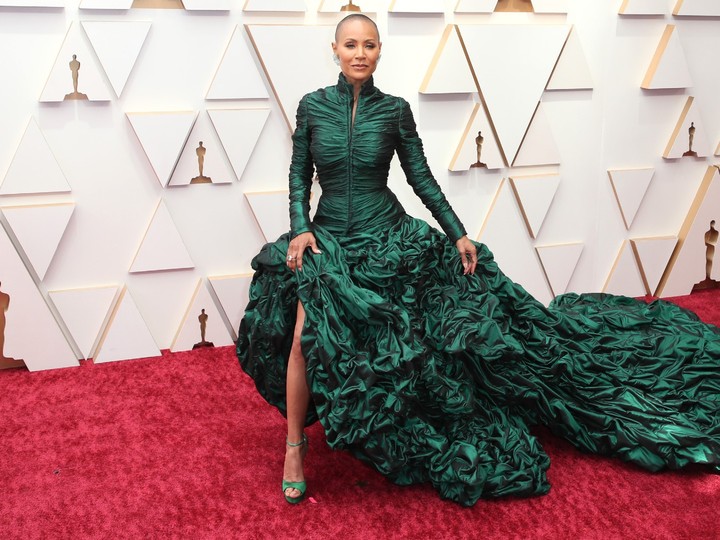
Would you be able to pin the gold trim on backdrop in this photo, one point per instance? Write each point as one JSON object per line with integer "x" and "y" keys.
{"x": 544, "y": 269}
{"x": 514, "y": 6}
{"x": 618, "y": 258}
{"x": 657, "y": 57}
{"x": 638, "y": 259}
{"x": 527, "y": 129}
{"x": 436, "y": 57}
{"x": 687, "y": 224}
{"x": 518, "y": 198}
{"x": 482, "y": 98}
{"x": 678, "y": 126}
{"x": 557, "y": 61}
{"x": 157, "y": 4}
{"x": 498, "y": 191}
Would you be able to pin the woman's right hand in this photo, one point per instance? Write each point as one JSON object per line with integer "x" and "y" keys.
{"x": 297, "y": 248}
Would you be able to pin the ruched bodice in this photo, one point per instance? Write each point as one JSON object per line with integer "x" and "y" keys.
{"x": 352, "y": 160}
{"x": 430, "y": 375}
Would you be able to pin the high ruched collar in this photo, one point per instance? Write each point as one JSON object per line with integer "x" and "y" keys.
{"x": 367, "y": 88}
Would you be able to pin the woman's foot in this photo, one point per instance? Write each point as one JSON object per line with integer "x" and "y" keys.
{"x": 293, "y": 478}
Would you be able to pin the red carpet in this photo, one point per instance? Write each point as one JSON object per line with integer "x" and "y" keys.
{"x": 183, "y": 447}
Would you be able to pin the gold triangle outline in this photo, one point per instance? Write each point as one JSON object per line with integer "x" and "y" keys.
{"x": 687, "y": 224}
{"x": 518, "y": 199}
{"x": 542, "y": 264}
{"x": 638, "y": 259}
{"x": 480, "y": 95}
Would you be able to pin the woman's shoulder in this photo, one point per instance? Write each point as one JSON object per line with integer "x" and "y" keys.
{"x": 320, "y": 94}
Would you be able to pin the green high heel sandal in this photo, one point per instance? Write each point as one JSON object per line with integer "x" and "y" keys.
{"x": 302, "y": 485}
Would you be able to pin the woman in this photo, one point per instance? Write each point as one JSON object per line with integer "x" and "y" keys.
{"x": 418, "y": 355}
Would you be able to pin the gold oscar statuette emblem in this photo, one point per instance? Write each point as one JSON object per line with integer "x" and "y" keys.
{"x": 6, "y": 362}
{"x": 202, "y": 319}
{"x": 514, "y": 6}
{"x": 478, "y": 145}
{"x": 200, "y": 151}
{"x": 350, "y": 7}
{"x": 711, "y": 239}
{"x": 691, "y": 137}
{"x": 75, "y": 70}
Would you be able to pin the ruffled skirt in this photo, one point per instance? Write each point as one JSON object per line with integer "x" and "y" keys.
{"x": 431, "y": 375}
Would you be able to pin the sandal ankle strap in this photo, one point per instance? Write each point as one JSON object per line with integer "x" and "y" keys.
{"x": 302, "y": 442}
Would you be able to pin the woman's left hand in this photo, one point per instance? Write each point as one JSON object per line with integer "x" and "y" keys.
{"x": 468, "y": 254}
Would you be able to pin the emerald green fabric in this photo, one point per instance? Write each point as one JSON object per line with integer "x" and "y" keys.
{"x": 431, "y": 375}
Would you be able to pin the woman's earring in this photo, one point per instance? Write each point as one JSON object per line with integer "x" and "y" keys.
{"x": 336, "y": 59}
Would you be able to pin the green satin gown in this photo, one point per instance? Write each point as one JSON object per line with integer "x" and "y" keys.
{"x": 430, "y": 375}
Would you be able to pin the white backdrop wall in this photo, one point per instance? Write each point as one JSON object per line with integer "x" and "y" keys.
{"x": 615, "y": 125}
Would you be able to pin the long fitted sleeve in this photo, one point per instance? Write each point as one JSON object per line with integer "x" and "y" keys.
{"x": 414, "y": 163}
{"x": 301, "y": 171}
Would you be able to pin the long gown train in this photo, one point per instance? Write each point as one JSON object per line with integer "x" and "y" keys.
{"x": 431, "y": 375}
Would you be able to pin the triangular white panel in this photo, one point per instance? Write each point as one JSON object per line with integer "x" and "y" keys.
{"x": 284, "y": 75}
{"x": 668, "y": 67}
{"x": 690, "y": 121}
{"x": 550, "y": 6}
{"x": 85, "y": 313}
{"x": 625, "y": 278}
{"x": 653, "y": 255}
{"x": 643, "y": 7}
{"x": 717, "y": 150}
{"x": 513, "y": 64}
{"x": 106, "y": 4}
{"x": 208, "y": 5}
{"x": 559, "y": 262}
{"x": 39, "y": 230}
{"x": 475, "y": 6}
{"x": 687, "y": 265}
{"x": 535, "y": 195}
{"x": 697, "y": 8}
{"x": 237, "y": 76}
{"x": 449, "y": 72}
{"x": 416, "y": 6}
{"x": 630, "y": 186}
{"x": 34, "y": 168}
{"x": 163, "y": 137}
{"x": 538, "y": 146}
{"x": 31, "y": 332}
{"x": 90, "y": 78}
{"x": 271, "y": 212}
{"x": 117, "y": 45}
{"x": 571, "y": 71}
{"x": 215, "y": 163}
{"x": 239, "y": 131}
{"x": 233, "y": 294}
{"x": 189, "y": 332}
{"x": 33, "y": 3}
{"x": 275, "y": 5}
{"x": 506, "y": 236}
{"x": 367, "y": 6}
{"x": 126, "y": 336}
{"x": 162, "y": 248}
{"x": 466, "y": 152}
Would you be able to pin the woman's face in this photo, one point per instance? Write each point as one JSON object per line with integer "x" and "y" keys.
{"x": 358, "y": 47}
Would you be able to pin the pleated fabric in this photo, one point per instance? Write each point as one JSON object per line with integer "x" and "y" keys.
{"x": 431, "y": 375}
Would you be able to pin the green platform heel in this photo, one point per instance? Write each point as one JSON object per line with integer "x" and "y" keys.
{"x": 302, "y": 485}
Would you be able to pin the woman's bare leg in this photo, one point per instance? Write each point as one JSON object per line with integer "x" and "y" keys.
{"x": 298, "y": 397}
